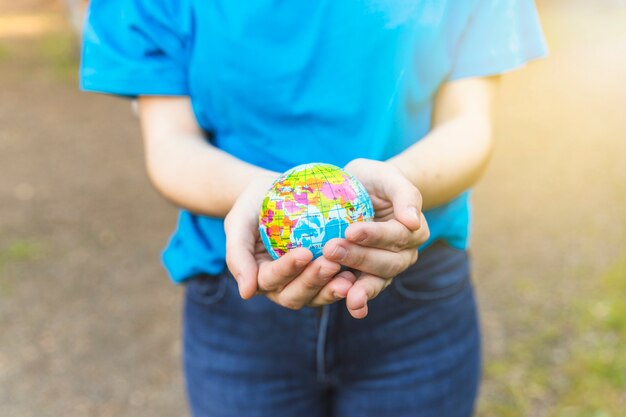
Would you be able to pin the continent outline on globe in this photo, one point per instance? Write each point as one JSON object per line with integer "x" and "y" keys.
{"x": 310, "y": 204}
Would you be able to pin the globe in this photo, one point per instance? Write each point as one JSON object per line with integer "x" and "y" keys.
{"x": 309, "y": 205}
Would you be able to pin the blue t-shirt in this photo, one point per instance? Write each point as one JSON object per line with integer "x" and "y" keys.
{"x": 281, "y": 83}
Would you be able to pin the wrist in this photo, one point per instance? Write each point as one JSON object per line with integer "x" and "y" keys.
{"x": 399, "y": 163}
{"x": 263, "y": 178}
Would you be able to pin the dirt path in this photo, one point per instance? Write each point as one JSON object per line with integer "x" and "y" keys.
{"x": 89, "y": 322}
{"x": 88, "y": 319}
{"x": 551, "y": 214}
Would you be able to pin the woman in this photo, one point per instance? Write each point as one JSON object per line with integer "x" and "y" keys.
{"x": 399, "y": 93}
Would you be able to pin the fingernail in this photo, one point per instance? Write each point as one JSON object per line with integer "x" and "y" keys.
{"x": 339, "y": 253}
{"x": 337, "y": 296}
{"x": 240, "y": 284}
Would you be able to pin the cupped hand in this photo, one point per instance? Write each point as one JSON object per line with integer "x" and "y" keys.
{"x": 381, "y": 249}
{"x": 292, "y": 281}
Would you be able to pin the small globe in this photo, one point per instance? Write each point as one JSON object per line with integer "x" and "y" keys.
{"x": 309, "y": 205}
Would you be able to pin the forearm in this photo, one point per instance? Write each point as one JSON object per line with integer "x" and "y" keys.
{"x": 183, "y": 166}
{"x": 448, "y": 161}
{"x": 452, "y": 157}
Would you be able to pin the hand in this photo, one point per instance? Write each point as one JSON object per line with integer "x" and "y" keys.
{"x": 382, "y": 249}
{"x": 292, "y": 281}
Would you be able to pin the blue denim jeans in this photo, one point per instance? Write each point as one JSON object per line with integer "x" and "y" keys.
{"x": 417, "y": 353}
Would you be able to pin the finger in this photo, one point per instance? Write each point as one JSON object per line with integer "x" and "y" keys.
{"x": 337, "y": 289}
{"x": 390, "y": 235}
{"x": 405, "y": 198}
{"x": 302, "y": 289}
{"x": 240, "y": 248}
{"x": 364, "y": 289}
{"x": 379, "y": 262}
{"x": 277, "y": 274}
{"x": 424, "y": 230}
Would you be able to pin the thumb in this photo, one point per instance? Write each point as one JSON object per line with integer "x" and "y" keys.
{"x": 240, "y": 247}
{"x": 406, "y": 200}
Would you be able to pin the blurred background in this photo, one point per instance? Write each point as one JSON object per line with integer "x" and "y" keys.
{"x": 89, "y": 323}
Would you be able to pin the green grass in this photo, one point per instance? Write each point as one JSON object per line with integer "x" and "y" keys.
{"x": 4, "y": 52}
{"x": 597, "y": 369}
{"x": 19, "y": 251}
{"x": 60, "y": 53}
{"x": 587, "y": 376}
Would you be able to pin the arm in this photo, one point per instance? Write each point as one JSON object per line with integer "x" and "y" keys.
{"x": 183, "y": 166}
{"x": 442, "y": 165}
{"x": 193, "y": 174}
{"x": 451, "y": 158}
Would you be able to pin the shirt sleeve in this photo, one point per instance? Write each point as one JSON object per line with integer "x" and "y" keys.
{"x": 135, "y": 47}
{"x": 501, "y": 35}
